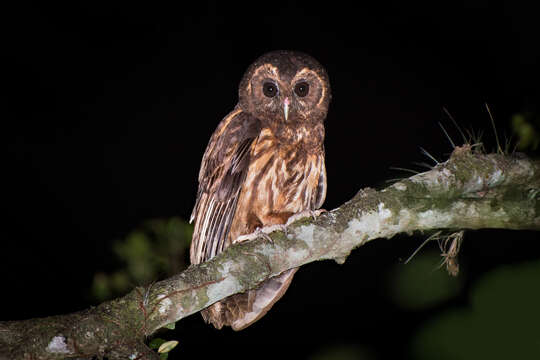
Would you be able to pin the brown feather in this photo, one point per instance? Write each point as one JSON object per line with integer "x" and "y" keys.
{"x": 223, "y": 169}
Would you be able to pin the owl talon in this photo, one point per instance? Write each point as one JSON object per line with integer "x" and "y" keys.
{"x": 304, "y": 214}
{"x": 254, "y": 235}
{"x": 317, "y": 213}
{"x": 260, "y": 233}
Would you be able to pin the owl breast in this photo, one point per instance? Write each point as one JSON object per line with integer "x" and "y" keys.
{"x": 282, "y": 179}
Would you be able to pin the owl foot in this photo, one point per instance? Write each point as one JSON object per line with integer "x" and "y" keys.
{"x": 304, "y": 214}
{"x": 261, "y": 232}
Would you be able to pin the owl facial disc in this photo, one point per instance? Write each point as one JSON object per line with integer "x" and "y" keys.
{"x": 285, "y": 88}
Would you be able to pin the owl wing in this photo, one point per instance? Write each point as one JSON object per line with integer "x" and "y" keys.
{"x": 319, "y": 194}
{"x": 223, "y": 169}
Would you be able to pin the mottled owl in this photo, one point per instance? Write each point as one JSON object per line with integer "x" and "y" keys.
{"x": 264, "y": 163}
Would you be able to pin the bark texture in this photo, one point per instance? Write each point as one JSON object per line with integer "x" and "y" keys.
{"x": 469, "y": 191}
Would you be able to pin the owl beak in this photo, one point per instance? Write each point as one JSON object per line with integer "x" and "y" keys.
{"x": 286, "y": 108}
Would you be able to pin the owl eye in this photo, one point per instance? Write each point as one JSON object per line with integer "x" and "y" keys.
{"x": 301, "y": 89}
{"x": 269, "y": 89}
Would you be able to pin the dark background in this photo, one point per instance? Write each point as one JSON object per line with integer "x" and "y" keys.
{"x": 109, "y": 108}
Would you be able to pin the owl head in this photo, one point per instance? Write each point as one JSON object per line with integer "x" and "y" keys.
{"x": 285, "y": 87}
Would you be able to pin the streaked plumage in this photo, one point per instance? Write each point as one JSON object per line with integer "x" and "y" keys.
{"x": 264, "y": 163}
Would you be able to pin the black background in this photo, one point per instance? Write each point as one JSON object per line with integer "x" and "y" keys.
{"x": 109, "y": 108}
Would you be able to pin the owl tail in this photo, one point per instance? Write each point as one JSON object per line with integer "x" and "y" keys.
{"x": 241, "y": 310}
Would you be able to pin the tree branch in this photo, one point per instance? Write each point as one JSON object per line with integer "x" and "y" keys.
{"x": 469, "y": 191}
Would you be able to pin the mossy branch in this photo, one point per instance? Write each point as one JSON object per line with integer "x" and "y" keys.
{"x": 469, "y": 191}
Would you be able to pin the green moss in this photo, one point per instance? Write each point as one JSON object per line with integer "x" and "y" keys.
{"x": 366, "y": 200}
{"x": 415, "y": 190}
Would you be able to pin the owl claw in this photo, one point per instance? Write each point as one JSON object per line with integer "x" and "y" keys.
{"x": 265, "y": 231}
{"x": 304, "y": 214}
{"x": 254, "y": 235}
{"x": 262, "y": 232}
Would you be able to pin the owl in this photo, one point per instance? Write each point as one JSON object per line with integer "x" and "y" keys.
{"x": 264, "y": 163}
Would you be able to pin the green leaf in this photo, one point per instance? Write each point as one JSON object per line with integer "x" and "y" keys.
{"x": 167, "y": 346}
{"x": 528, "y": 136}
{"x": 101, "y": 288}
{"x": 170, "y": 325}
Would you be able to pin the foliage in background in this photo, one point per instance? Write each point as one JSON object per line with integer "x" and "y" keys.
{"x": 155, "y": 250}
{"x": 423, "y": 282}
{"x": 500, "y": 322}
{"x": 343, "y": 352}
{"x": 526, "y": 126}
